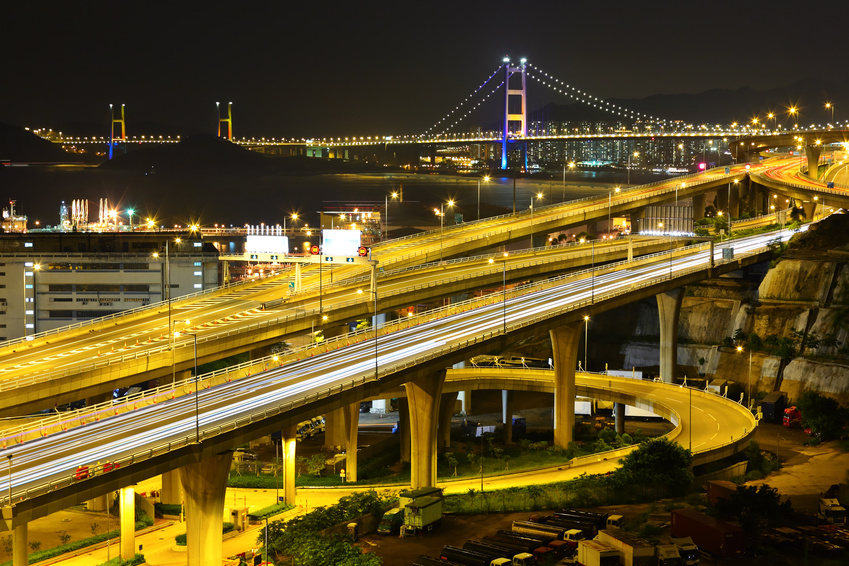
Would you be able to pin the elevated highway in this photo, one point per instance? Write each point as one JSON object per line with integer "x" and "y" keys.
{"x": 154, "y": 438}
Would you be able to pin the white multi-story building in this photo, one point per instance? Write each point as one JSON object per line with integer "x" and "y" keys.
{"x": 49, "y": 280}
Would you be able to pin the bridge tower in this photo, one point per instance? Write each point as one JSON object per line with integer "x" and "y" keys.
{"x": 515, "y": 122}
{"x": 228, "y": 120}
{"x": 122, "y": 123}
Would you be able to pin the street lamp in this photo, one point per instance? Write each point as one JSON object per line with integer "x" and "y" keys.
{"x": 168, "y": 299}
{"x": 503, "y": 289}
{"x": 830, "y": 106}
{"x": 130, "y": 212}
{"x": 480, "y": 428}
{"x": 440, "y": 212}
{"x": 485, "y": 180}
{"x": 197, "y": 382}
{"x": 635, "y": 154}
{"x": 586, "y": 335}
{"x": 539, "y": 196}
{"x": 749, "y": 380}
{"x": 386, "y": 210}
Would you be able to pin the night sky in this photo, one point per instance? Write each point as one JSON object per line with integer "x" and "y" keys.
{"x": 313, "y": 69}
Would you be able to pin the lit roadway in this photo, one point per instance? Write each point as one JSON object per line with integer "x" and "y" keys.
{"x": 232, "y": 310}
{"x": 142, "y": 336}
{"x": 166, "y": 432}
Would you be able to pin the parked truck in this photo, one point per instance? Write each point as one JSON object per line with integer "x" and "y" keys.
{"x": 423, "y": 515}
{"x": 465, "y": 557}
{"x": 391, "y": 522}
{"x": 598, "y": 519}
{"x": 720, "y": 489}
{"x": 504, "y": 556}
{"x": 528, "y": 527}
{"x": 633, "y": 550}
{"x": 773, "y": 405}
{"x": 712, "y": 535}
{"x": 588, "y": 528}
{"x": 792, "y": 417}
{"x": 667, "y": 555}
{"x": 594, "y": 553}
{"x": 832, "y": 511}
{"x": 688, "y": 550}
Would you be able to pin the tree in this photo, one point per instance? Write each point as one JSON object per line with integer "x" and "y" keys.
{"x": 657, "y": 461}
{"x": 822, "y": 415}
{"x": 755, "y": 507}
{"x": 317, "y": 463}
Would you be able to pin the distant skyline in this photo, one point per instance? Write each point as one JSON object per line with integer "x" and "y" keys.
{"x": 379, "y": 67}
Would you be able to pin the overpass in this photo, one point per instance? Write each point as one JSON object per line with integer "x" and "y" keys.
{"x": 193, "y": 432}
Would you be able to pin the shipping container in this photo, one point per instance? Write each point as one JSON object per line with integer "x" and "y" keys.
{"x": 712, "y": 535}
{"x": 773, "y": 405}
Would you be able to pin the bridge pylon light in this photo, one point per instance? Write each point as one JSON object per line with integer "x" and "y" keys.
{"x": 113, "y": 139}
{"x": 517, "y": 121}
{"x": 228, "y": 120}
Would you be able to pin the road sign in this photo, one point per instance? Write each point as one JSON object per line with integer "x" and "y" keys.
{"x": 727, "y": 170}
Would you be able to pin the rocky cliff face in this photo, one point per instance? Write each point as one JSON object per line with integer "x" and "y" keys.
{"x": 804, "y": 295}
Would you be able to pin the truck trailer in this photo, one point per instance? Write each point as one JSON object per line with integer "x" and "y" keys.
{"x": 633, "y": 550}
{"x": 423, "y": 515}
{"x": 594, "y": 553}
{"x": 688, "y": 550}
{"x": 714, "y": 536}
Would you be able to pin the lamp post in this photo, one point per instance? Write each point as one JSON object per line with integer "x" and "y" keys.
{"x": 441, "y": 213}
{"x": 503, "y": 289}
{"x": 485, "y": 180}
{"x": 749, "y": 380}
{"x": 830, "y": 106}
{"x": 586, "y": 335}
{"x": 197, "y": 382}
{"x": 538, "y": 196}
{"x": 168, "y": 299}
{"x": 386, "y": 211}
{"x": 480, "y": 427}
{"x": 130, "y": 213}
{"x": 635, "y": 154}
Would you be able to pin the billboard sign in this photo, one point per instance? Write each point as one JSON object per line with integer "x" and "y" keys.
{"x": 267, "y": 244}
{"x": 340, "y": 242}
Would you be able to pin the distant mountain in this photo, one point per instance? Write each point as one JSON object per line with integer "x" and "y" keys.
{"x": 21, "y": 146}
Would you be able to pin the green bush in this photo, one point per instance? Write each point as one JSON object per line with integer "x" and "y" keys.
{"x": 118, "y": 561}
{"x": 167, "y": 508}
{"x": 269, "y": 511}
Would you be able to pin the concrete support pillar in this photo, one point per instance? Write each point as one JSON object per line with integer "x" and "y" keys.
{"x": 734, "y": 203}
{"x": 466, "y": 401}
{"x": 423, "y": 396}
{"x": 446, "y": 411}
{"x": 20, "y": 546}
{"x": 334, "y": 428}
{"x": 630, "y": 249}
{"x": 352, "y": 423}
{"x": 812, "y": 152}
{"x": 721, "y": 200}
{"x": 172, "y": 491}
{"x": 128, "y": 522}
{"x": 205, "y": 485}
{"x": 698, "y": 206}
{"x": 100, "y": 503}
{"x": 288, "y": 446}
{"x": 669, "y": 309}
{"x": 637, "y": 218}
{"x": 564, "y": 342}
{"x": 404, "y": 428}
{"x": 507, "y": 414}
{"x": 810, "y": 208}
{"x": 619, "y": 417}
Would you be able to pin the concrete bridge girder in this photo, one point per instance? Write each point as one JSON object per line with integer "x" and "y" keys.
{"x": 65, "y": 494}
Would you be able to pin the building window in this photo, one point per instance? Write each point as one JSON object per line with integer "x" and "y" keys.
{"x": 29, "y": 312}
{"x": 198, "y": 273}
{"x": 27, "y": 273}
{"x": 198, "y": 244}
{"x": 29, "y": 325}
{"x": 198, "y": 285}
{"x": 28, "y": 285}
{"x": 28, "y": 264}
{"x": 27, "y": 244}
{"x": 198, "y": 264}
